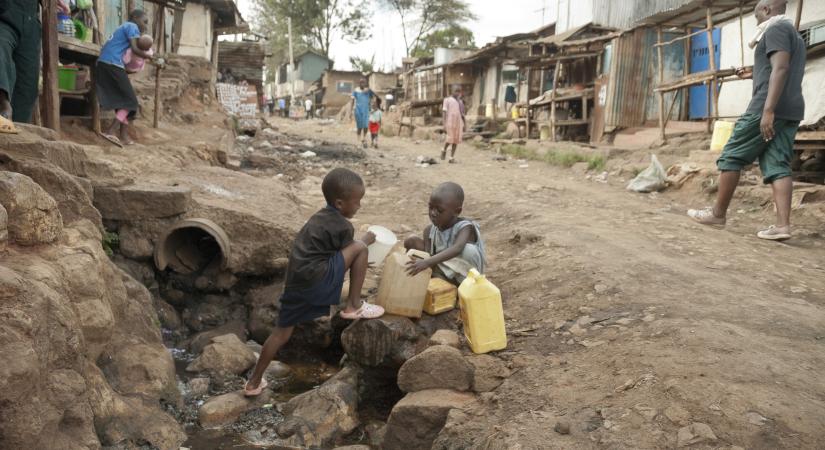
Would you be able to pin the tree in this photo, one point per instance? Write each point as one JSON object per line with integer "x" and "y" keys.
{"x": 454, "y": 36}
{"x": 315, "y": 23}
{"x": 362, "y": 65}
{"x": 419, "y": 18}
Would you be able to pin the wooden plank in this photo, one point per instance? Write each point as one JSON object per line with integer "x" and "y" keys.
{"x": 161, "y": 47}
{"x": 51, "y": 99}
{"x": 686, "y": 36}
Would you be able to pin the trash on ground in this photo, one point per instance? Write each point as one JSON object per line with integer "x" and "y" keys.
{"x": 651, "y": 179}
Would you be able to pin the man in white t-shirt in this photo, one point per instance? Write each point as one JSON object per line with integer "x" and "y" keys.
{"x": 308, "y": 107}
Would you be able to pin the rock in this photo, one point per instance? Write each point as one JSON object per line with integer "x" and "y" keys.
{"x": 438, "y": 367}
{"x": 135, "y": 243}
{"x": 694, "y": 433}
{"x": 376, "y": 430}
{"x": 562, "y": 427}
{"x": 33, "y": 215}
{"x": 445, "y": 337}
{"x": 226, "y": 354}
{"x": 168, "y": 315}
{"x": 387, "y": 341}
{"x": 577, "y": 330}
{"x": 353, "y": 447}
{"x": 202, "y": 339}
{"x": 225, "y": 409}
{"x": 265, "y": 304}
{"x": 142, "y": 201}
{"x": 4, "y": 227}
{"x": 141, "y": 370}
{"x": 416, "y": 420}
{"x": 277, "y": 370}
{"x": 198, "y": 386}
{"x": 319, "y": 417}
{"x": 254, "y": 346}
{"x": 489, "y": 372}
{"x": 213, "y": 311}
{"x": 678, "y": 415}
{"x": 645, "y": 411}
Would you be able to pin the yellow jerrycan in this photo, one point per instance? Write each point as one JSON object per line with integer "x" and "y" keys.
{"x": 482, "y": 313}
{"x": 399, "y": 293}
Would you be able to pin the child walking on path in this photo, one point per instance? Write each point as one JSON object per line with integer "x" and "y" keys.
{"x": 114, "y": 90}
{"x": 453, "y": 241}
{"x": 375, "y": 121}
{"x": 322, "y": 253}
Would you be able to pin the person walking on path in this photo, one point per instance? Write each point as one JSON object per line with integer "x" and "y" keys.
{"x": 308, "y": 107}
{"x": 114, "y": 89}
{"x": 362, "y": 97}
{"x": 453, "y": 111}
{"x": 20, "y": 36}
{"x": 766, "y": 131}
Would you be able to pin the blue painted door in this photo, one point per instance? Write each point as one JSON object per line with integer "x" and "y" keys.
{"x": 700, "y": 62}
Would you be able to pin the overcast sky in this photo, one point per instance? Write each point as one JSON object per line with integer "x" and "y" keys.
{"x": 495, "y": 18}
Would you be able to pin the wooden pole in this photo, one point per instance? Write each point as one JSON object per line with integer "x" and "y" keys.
{"x": 686, "y": 71}
{"x": 712, "y": 86}
{"x": 661, "y": 97}
{"x": 161, "y": 47}
{"x": 742, "y": 37}
{"x": 798, "y": 15}
{"x": 51, "y": 95}
{"x": 553, "y": 101}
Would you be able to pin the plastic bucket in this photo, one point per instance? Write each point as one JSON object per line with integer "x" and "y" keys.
{"x": 385, "y": 240}
{"x": 721, "y": 134}
{"x": 67, "y": 78}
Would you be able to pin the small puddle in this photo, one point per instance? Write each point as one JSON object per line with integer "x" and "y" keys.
{"x": 308, "y": 371}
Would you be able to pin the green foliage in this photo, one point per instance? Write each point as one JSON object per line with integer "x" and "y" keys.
{"x": 315, "y": 23}
{"x": 110, "y": 242}
{"x": 362, "y": 65}
{"x": 454, "y": 36}
{"x": 420, "y": 18}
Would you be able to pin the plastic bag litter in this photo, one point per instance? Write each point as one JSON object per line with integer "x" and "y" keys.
{"x": 651, "y": 179}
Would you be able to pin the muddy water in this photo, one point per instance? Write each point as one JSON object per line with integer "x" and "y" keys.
{"x": 308, "y": 371}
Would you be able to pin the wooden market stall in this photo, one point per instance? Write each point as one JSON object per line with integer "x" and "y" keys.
{"x": 575, "y": 60}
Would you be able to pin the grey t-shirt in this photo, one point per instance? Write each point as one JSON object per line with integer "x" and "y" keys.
{"x": 779, "y": 37}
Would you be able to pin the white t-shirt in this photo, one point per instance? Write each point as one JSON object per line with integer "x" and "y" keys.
{"x": 308, "y": 104}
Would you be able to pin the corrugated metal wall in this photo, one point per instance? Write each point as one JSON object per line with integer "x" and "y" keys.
{"x": 634, "y": 74}
{"x": 624, "y": 14}
{"x": 628, "y": 85}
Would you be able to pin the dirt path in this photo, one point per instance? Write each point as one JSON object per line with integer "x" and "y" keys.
{"x": 626, "y": 320}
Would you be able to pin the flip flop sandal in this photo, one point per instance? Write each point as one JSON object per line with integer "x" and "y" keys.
{"x": 257, "y": 391}
{"x": 773, "y": 234}
{"x": 113, "y": 139}
{"x": 7, "y": 126}
{"x": 366, "y": 311}
{"x": 705, "y": 217}
{"x": 453, "y": 161}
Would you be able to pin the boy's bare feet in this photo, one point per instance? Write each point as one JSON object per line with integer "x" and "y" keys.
{"x": 774, "y": 233}
{"x": 706, "y": 217}
{"x": 5, "y": 105}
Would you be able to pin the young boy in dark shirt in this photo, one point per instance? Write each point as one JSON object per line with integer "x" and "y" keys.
{"x": 322, "y": 253}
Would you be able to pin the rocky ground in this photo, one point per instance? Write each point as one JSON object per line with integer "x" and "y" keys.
{"x": 628, "y": 325}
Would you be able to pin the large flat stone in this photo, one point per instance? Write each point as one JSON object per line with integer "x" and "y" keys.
{"x": 141, "y": 201}
{"x": 225, "y": 409}
{"x": 416, "y": 420}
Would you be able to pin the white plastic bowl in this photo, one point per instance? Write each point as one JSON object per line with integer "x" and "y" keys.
{"x": 385, "y": 240}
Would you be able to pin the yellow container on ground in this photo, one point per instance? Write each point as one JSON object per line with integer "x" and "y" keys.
{"x": 482, "y": 313}
{"x": 722, "y": 131}
{"x": 399, "y": 293}
{"x": 441, "y": 297}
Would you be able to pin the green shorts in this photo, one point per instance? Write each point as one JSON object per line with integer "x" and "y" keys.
{"x": 746, "y": 145}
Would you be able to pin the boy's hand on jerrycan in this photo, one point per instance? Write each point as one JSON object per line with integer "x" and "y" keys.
{"x": 416, "y": 266}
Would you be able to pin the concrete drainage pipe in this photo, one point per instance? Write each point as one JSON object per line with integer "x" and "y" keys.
{"x": 191, "y": 245}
